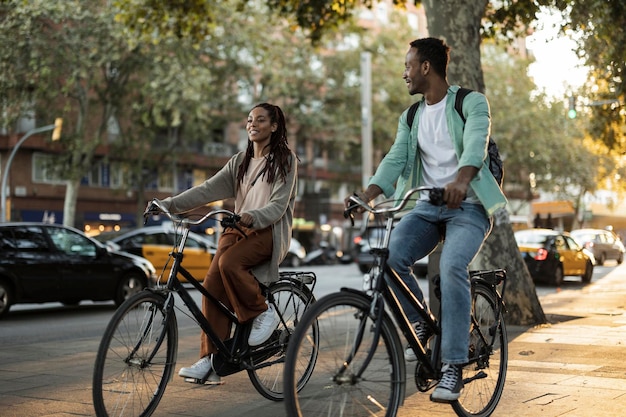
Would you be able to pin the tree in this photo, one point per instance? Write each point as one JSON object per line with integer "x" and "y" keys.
{"x": 602, "y": 45}
{"x": 66, "y": 57}
{"x": 460, "y": 22}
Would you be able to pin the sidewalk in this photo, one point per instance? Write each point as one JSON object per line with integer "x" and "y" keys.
{"x": 573, "y": 367}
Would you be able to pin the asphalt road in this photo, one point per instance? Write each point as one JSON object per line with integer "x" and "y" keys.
{"x": 53, "y": 347}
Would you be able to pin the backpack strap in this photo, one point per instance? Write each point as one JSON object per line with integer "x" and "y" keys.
{"x": 458, "y": 101}
{"x": 411, "y": 114}
{"x": 458, "y": 106}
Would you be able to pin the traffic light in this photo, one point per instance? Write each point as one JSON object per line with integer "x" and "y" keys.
{"x": 571, "y": 113}
{"x": 58, "y": 125}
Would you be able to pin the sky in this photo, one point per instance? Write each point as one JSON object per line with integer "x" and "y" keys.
{"x": 557, "y": 69}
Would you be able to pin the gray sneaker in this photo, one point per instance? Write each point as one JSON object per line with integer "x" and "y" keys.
{"x": 450, "y": 386}
{"x": 423, "y": 334}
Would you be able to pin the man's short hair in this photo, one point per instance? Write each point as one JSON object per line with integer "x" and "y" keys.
{"x": 435, "y": 51}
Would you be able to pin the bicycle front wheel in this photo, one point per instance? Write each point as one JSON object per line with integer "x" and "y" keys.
{"x": 485, "y": 374}
{"x": 338, "y": 385}
{"x": 136, "y": 358}
{"x": 290, "y": 301}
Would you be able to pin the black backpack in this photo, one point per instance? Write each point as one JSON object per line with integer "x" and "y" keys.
{"x": 495, "y": 161}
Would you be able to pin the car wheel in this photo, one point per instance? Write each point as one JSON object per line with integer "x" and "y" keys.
{"x": 588, "y": 273}
{"x": 363, "y": 268}
{"x": 601, "y": 259}
{"x": 620, "y": 258}
{"x": 6, "y": 297}
{"x": 130, "y": 285}
{"x": 558, "y": 276}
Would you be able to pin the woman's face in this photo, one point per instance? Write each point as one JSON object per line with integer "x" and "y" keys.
{"x": 260, "y": 126}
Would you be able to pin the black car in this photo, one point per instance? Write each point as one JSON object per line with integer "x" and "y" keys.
{"x": 49, "y": 262}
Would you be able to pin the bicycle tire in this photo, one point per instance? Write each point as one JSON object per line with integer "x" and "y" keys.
{"x": 487, "y": 367}
{"x": 136, "y": 357}
{"x": 290, "y": 300}
{"x": 380, "y": 389}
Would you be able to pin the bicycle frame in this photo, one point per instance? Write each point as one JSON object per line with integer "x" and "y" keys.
{"x": 489, "y": 278}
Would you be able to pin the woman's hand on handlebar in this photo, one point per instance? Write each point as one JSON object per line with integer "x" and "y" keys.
{"x": 246, "y": 220}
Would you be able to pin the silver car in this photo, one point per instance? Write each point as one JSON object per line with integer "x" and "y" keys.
{"x": 604, "y": 244}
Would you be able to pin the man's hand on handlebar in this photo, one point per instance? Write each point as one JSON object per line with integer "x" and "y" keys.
{"x": 454, "y": 194}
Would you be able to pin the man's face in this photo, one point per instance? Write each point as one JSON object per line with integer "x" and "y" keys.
{"x": 413, "y": 74}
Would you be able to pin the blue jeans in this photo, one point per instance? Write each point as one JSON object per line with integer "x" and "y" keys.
{"x": 415, "y": 236}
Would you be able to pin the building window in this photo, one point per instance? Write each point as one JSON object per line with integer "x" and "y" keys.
{"x": 45, "y": 169}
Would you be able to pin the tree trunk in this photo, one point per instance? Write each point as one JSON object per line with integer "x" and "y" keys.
{"x": 69, "y": 204}
{"x": 500, "y": 251}
{"x": 458, "y": 22}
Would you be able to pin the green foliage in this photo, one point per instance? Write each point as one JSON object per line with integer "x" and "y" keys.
{"x": 600, "y": 24}
{"x": 542, "y": 148}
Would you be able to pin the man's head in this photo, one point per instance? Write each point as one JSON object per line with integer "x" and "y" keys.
{"x": 426, "y": 59}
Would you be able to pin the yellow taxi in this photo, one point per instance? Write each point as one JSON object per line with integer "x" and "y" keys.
{"x": 551, "y": 255}
{"x": 154, "y": 243}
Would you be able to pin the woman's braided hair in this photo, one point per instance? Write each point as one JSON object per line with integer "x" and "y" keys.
{"x": 279, "y": 157}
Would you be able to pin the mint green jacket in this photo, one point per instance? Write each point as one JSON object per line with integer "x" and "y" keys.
{"x": 401, "y": 169}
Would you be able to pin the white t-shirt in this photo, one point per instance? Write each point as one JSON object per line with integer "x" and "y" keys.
{"x": 439, "y": 161}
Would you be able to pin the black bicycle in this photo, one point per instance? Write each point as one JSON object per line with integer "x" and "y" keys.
{"x": 360, "y": 368}
{"x": 137, "y": 354}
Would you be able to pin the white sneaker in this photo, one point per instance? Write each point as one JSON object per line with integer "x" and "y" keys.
{"x": 409, "y": 354}
{"x": 198, "y": 370}
{"x": 263, "y": 326}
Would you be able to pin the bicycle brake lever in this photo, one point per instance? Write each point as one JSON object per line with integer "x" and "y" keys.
{"x": 435, "y": 196}
{"x": 348, "y": 213}
{"x": 233, "y": 222}
{"x": 151, "y": 208}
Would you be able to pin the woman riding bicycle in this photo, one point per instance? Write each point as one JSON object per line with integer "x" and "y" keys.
{"x": 262, "y": 180}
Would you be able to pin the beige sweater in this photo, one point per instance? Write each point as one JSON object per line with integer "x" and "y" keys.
{"x": 278, "y": 213}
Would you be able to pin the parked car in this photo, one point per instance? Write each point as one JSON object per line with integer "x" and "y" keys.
{"x": 604, "y": 244}
{"x": 372, "y": 237}
{"x": 550, "y": 255}
{"x": 155, "y": 244}
{"x": 49, "y": 262}
{"x": 295, "y": 256}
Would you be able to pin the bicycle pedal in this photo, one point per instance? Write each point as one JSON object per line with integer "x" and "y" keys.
{"x": 193, "y": 381}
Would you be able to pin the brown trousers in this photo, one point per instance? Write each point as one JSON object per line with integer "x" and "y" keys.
{"x": 230, "y": 280}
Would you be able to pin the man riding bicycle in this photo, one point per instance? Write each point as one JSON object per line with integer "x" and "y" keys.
{"x": 440, "y": 150}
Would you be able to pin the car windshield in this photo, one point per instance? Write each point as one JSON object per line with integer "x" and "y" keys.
{"x": 583, "y": 237}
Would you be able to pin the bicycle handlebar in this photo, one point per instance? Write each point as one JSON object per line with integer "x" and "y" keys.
{"x": 231, "y": 219}
{"x": 435, "y": 196}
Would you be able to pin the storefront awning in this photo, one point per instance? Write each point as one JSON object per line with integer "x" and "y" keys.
{"x": 554, "y": 208}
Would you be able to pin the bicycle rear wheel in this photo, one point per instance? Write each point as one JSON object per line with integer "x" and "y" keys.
{"x": 136, "y": 358}
{"x": 486, "y": 372}
{"x": 346, "y": 336}
{"x": 290, "y": 300}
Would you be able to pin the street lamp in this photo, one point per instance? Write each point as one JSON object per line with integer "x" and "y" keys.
{"x": 56, "y": 135}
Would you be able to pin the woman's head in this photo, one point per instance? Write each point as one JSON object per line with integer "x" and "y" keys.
{"x": 263, "y": 119}
{"x": 274, "y": 115}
